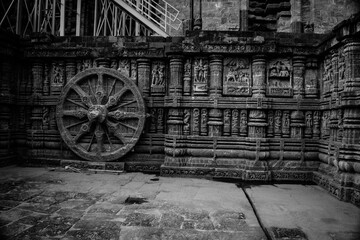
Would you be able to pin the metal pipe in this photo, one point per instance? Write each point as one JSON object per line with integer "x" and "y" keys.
{"x": 191, "y": 14}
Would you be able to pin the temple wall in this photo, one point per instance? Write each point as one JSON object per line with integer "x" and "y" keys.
{"x": 254, "y": 106}
{"x": 12, "y": 123}
{"x": 280, "y": 16}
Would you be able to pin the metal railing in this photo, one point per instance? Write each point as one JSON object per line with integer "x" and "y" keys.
{"x": 159, "y": 12}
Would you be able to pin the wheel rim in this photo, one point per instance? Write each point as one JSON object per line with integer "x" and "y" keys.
{"x": 101, "y": 114}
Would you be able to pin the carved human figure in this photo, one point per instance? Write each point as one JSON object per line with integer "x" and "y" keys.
{"x": 200, "y": 71}
{"x": 187, "y": 68}
{"x": 58, "y": 75}
{"x": 227, "y": 121}
{"x": 204, "y": 119}
{"x": 243, "y": 122}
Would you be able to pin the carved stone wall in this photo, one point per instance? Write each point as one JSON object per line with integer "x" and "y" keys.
{"x": 217, "y": 105}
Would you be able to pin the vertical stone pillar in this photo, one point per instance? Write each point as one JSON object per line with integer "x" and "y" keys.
{"x": 297, "y": 124}
{"x": 144, "y": 76}
{"x": 215, "y": 122}
{"x": 316, "y": 126}
{"x": 335, "y": 82}
{"x": 257, "y": 124}
{"x": 351, "y": 125}
{"x": 259, "y": 69}
{"x": 296, "y": 23}
{"x": 299, "y": 72}
{"x": 244, "y": 7}
{"x": 46, "y": 85}
{"x": 70, "y": 70}
{"x": 133, "y": 71}
{"x": 37, "y": 73}
{"x": 175, "y": 114}
{"x": 6, "y": 77}
{"x": 187, "y": 78}
{"x": 352, "y": 62}
{"x": 216, "y": 75}
{"x": 311, "y": 78}
{"x": 176, "y": 76}
{"x": 333, "y": 125}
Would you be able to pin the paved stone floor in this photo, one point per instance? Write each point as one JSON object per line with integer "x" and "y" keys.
{"x": 40, "y": 203}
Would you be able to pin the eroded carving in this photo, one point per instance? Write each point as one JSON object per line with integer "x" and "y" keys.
{"x": 237, "y": 77}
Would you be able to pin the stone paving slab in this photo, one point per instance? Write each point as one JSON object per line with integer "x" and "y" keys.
{"x": 290, "y": 211}
{"x": 47, "y": 204}
{"x": 38, "y": 203}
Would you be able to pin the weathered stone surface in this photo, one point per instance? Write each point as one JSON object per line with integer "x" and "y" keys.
{"x": 92, "y": 234}
{"x": 139, "y": 219}
{"x": 45, "y": 208}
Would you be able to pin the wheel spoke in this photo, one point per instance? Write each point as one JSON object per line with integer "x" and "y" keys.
{"x": 85, "y": 98}
{"x": 79, "y": 113}
{"x": 99, "y": 133}
{"x": 75, "y": 124}
{"x": 76, "y": 103}
{"x": 112, "y": 87}
{"x": 108, "y": 137}
{"x": 114, "y": 128}
{"x": 100, "y": 93}
{"x": 85, "y": 128}
{"x": 118, "y": 115}
{"x": 115, "y": 98}
{"x": 123, "y": 104}
{"x": 128, "y": 126}
{"x": 92, "y": 139}
{"x": 91, "y": 89}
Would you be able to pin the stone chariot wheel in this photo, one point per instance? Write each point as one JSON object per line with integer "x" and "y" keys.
{"x": 100, "y": 114}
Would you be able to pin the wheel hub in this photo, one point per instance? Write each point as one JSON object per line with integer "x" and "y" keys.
{"x": 98, "y": 113}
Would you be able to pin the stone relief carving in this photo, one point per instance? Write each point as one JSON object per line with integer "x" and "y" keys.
{"x": 243, "y": 123}
{"x": 279, "y": 79}
{"x": 308, "y": 124}
{"x": 270, "y": 128}
{"x": 286, "y": 124}
{"x": 316, "y": 128}
{"x": 201, "y": 76}
{"x": 133, "y": 70}
{"x": 124, "y": 67}
{"x": 57, "y": 78}
{"x": 235, "y": 122}
{"x": 153, "y": 121}
{"x": 328, "y": 75}
{"x": 277, "y": 123}
{"x": 227, "y": 122}
{"x": 196, "y": 123}
{"x": 160, "y": 120}
{"x": 158, "y": 78}
{"x": 204, "y": 122}
{"x": 187, "y": 121}
{"x": 187, "y": 77}
{"x": 237, "y": 77}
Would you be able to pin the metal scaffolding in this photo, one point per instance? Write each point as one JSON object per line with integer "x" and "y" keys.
{"x": 89, "y": 18}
